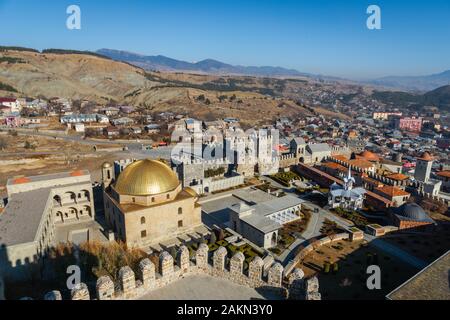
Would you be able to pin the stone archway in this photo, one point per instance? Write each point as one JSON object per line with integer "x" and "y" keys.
{"x": 87, "y": 210}
{"x": 73, "y": 213}
{"x": 57, "y": 200}
{"x": 59, "y": 217}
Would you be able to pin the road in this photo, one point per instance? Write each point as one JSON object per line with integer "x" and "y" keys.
{"x": 134, "y": 147}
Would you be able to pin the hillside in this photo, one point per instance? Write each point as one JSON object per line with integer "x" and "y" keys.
{"x": 439, "y": 98}
{"x": 416, "y": 83}
{"x": 87, "y": 76}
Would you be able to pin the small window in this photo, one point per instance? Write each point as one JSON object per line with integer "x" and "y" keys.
{"x": 143, "y": 233}
{"x": 143, "y": 220}
{"x": 168, "y": 196}
{"x": 153, "y": 199}
{"x": 180, "y": 224}
{"x": 134, "y": 199}
{"x": 180, "y": 210}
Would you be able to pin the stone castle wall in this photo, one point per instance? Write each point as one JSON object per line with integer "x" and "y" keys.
{"x": 131, "y": 285}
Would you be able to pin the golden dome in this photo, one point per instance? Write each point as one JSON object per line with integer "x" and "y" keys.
{"x": 191, "y": 191}
{"x": 146, "y": 177}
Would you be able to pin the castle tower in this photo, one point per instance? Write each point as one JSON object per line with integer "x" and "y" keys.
{"x": 423, "y": 167}
{"x": 107, "y": 174}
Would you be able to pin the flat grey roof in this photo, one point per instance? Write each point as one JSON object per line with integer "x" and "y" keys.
{"x": 278, "y": 204}
{"x": 259, "y": 218}
{"x": 319, "y": 147}
{"x": 432, "y": 283}
{"x": 253, "y": 195}
{"x": 52, "y": 176}
{"x": 261, "y": 222}
{"x": 23, "y": 213}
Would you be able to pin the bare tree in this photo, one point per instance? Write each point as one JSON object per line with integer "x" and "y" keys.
{"x": 3, "y": 144}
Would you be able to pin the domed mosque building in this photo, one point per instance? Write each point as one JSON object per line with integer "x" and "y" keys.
{"x": 410, "y": 215}
{"x": 145, "y": 203}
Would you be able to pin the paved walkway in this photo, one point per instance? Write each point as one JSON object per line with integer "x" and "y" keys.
{"x": 207, "y": 288}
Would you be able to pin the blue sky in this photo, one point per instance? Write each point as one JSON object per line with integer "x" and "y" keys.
{"x": 320, "y": 36}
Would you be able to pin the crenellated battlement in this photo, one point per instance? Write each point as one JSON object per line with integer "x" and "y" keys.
{"x": 202, "y": 262}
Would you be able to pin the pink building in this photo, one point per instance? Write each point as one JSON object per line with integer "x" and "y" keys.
{"x": 409, "y": 124}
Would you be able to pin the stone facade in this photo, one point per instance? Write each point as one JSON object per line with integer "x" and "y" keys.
{"x": 127, "y": 281}
{"x": 201, "y": 257}
{"x": 147, "y": 272}
{"x": 255, "y": 269}
{"x": 183, "y": 258}
{"x": 237, "y": 264}
{"x": 105, "y": 288}
{"x": 53, "y": 295}
{"x": 166, "y": 264}
{"x": 275, "y": 276}
{"x": 219, "y": 259}
{"x": 80, "y": 292}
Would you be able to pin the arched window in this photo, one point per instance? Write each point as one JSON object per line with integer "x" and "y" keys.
{"x": 180, "y": 210}
{"x": 153, "y": 199}
{"x": 143, "y": 220}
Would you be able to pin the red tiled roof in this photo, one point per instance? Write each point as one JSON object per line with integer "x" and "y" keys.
{"x": 8, "y": 100}
{"x": 392, "y": 191}
{"x": 340, "y": 157}
{"x": 21, "y": 180}
{"x": 426, "y": 157}
{"x": 77, "y": 173}
{"x": 334, "y": 165}
{"x": 445, "y": 174}
{"x": 398, "y": 176}
{"x": 369, "y": 156}
{"x": 360, "y": 163}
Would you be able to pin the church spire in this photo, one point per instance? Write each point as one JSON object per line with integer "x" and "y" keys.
{"x": 349, "y": 180}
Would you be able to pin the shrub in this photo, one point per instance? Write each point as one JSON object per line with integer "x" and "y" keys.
{"x": 335, "y": 267}
{"x": 213, "y": 247}
{"x": 326, "y": 268}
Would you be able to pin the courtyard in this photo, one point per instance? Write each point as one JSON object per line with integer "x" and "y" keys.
{"x": 341, "y": 268}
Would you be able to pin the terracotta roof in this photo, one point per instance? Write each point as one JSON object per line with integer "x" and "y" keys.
{"x": 398, "y": 176}
{"x": 426, "y": 157}
{"x": 445, "y": 174}
{"x": 360, "y": 163}
{"x": 340, "y": 157}
{"x": 77, "y": 173}
{"x": 371, "y": 180}
{"x": 369, "y": 156}
{"x": 21, "y": 180}
{"x": 334, "y": 165}
{"x": 392, "y": 191}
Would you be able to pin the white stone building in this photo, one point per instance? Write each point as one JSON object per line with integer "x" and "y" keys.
{"x": 41, "y": 211}
{"x": 346, "y": 196}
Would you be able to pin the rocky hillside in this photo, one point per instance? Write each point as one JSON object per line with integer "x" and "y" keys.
{"x": 87, "y": 76}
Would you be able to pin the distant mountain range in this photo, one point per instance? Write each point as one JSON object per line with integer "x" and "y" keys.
{"x": 415, "y": 83}
{"x": 208, "y": 66}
